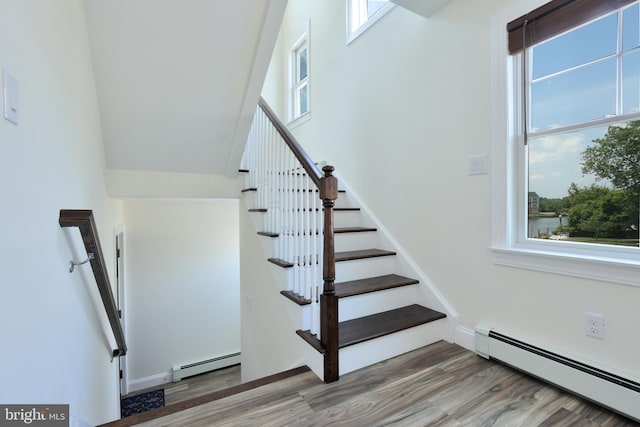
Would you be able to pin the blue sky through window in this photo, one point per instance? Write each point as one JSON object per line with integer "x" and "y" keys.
{"x": 574, "y": 79}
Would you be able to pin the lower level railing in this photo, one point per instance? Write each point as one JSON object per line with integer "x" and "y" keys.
{"x": 83, "y": 219}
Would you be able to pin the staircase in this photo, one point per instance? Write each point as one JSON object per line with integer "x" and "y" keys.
{"x": 382, "y": 305}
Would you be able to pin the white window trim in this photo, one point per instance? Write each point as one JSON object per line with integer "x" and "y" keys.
{"x": 295, "y": 121}
{"x": 605, "y": 263}
{"x": 352, "y": 35}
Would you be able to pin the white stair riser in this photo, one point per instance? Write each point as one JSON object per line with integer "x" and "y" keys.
{"x": 343, "y": 201}
{"x": 347, "y": 219}
{"x": 360, "y": 269}
{"x": 367, "y": 353}
{"x": 343, "y": 241}
{"x": 376, "y": 302}
{"x": 355, "y": 241}
{"x": 308, "y": 200}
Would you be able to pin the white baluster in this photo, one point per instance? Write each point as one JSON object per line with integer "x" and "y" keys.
{"x": 294, "y": 210}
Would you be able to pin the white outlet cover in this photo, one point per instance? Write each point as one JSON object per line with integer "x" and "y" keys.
{"x": 10, "y": 97}
{"x": 594, "y": 325}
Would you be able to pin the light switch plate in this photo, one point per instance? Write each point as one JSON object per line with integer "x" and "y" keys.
{"x": 478, "y": 164}
{"x": 10, "y": 97}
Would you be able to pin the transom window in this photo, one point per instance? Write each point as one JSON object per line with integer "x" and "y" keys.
{"x": 361, "y": 14}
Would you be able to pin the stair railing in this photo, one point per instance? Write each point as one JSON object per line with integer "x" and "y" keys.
{"x": 287, "y": 184}
{"x": 83, "y": 219}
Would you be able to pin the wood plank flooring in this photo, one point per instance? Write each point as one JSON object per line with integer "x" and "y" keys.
{"x": 202, "y": 384}
{"x": 196, "y": 386}
{"x": 439, "y": 385}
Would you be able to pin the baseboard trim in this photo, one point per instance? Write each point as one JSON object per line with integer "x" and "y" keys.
{"x": 151, "y": 381}
{"x": 465, "y": 337}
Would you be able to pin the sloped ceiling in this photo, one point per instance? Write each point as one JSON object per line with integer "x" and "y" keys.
{"x": 178, "y": 80}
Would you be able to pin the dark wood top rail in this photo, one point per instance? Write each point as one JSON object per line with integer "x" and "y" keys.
{"x": 83, "y": 219}
{"x": 314, "y": 172}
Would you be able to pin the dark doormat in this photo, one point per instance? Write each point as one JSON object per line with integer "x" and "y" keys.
{"x": 141, "y": 403}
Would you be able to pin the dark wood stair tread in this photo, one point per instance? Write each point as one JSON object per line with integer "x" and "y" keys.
{"x": 380, "y": 324}
{"x": 362, "y": 254}
{"x": 280, "y": 262}
{"x": 298, "y": 299}
{"x": 306, "y": 210}
{"x": 338, "y": 230}
{"x": 372, "y": 284}
{"x": 377, "y": 325}
{"x": 267, "y": 234}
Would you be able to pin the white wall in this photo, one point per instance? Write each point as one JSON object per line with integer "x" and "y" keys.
{"x": 183, "y": 284}
{"x": 135, "y": 183}
{"x": 55, "y": 345}
{"x": 269, "y": 342}
{"x": 398, "y": 112}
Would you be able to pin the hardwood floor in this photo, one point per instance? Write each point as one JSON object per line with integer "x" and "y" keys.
{"x": 200, "y": 385}
{"x": 439, "y": 385}
{"x": 196, "y": 386}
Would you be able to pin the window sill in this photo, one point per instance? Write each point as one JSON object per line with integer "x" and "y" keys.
{"x": 625, "y": 272}
{"x": 299, "y": 120}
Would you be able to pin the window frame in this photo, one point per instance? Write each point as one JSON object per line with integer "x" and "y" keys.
{"x": 364, "y": 23}
{"x": 599, "y": 262}
{"x": 296, "y": 117}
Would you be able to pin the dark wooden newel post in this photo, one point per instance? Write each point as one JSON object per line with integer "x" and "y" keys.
{"x": 328, "y": 299}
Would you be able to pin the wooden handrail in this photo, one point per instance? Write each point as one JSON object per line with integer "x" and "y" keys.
{"x": 83, "y": 219}
{"x": 314, "y": 172}
{"x": 328, "y": 186}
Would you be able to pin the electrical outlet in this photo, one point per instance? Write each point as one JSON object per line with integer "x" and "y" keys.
{"x": 594, "y": 325}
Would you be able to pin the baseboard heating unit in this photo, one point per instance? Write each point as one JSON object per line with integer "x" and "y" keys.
{"x": 610, "y": 390}
{"x": 184, "y": 371}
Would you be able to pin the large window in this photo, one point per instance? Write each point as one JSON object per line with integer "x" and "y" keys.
{"x": 582, "y": 154}
{"x": 573, "y": 141}
{"x": 361, "y": 14}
